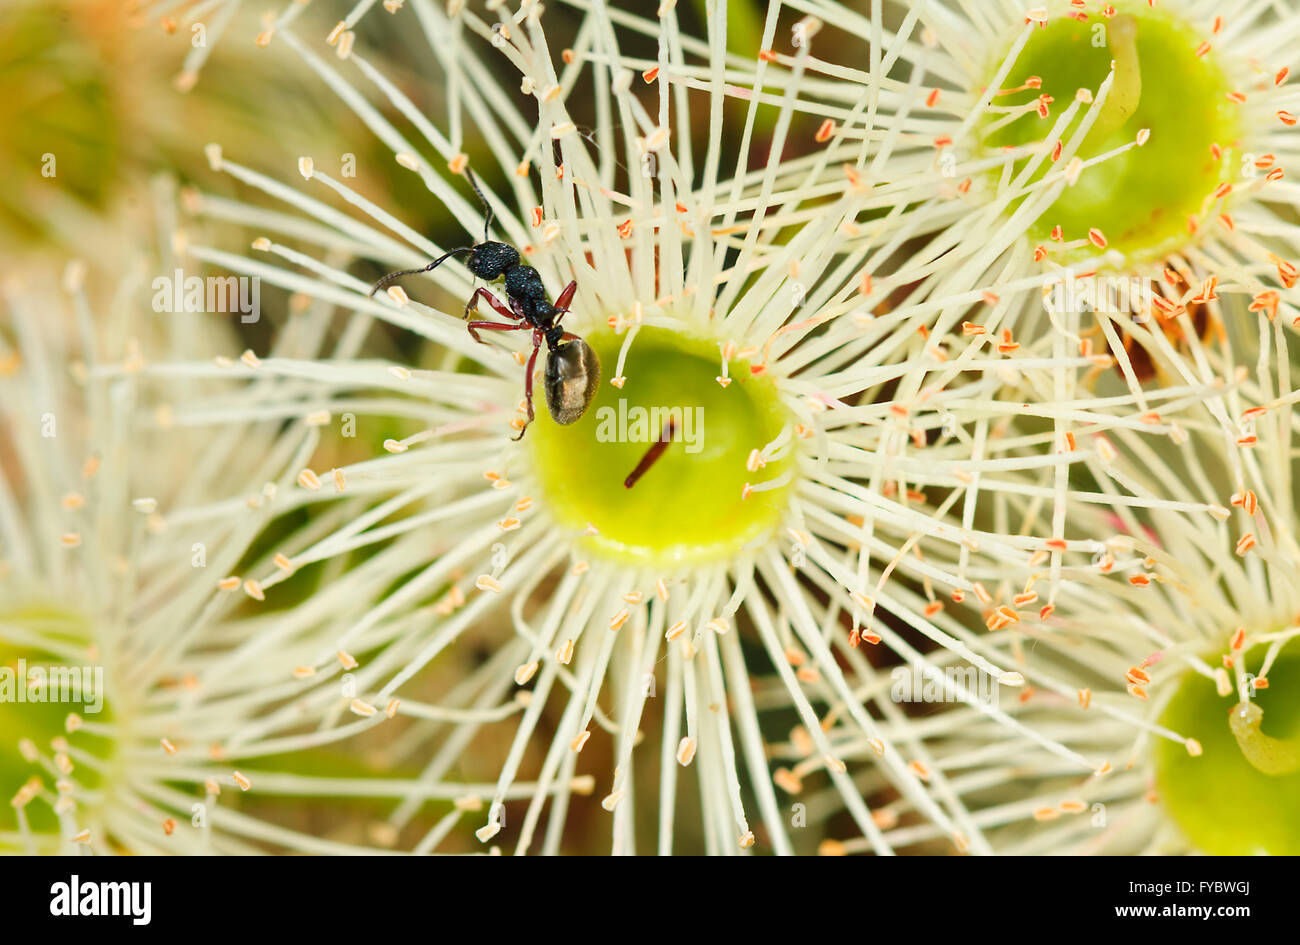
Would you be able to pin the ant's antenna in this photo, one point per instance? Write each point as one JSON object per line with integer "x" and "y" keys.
{"x": 411, "y": 272}
{"x": 487, "y": 208}
{"x": 487, "y": 226}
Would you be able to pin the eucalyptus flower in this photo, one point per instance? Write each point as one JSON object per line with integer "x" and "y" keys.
{"x": 1135, "y": 154}
{"x": 1112, "y": 180}
{"x": 140, "y": 693}
{"x": 1164, "y": 650}
{"x": 830, "y": 518}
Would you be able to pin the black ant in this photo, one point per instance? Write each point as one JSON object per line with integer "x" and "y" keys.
{"x": 572, "y": 368}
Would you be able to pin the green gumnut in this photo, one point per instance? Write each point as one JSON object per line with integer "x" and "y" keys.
{"x": 1241, "y": 795}
{"x": 692, "y": 504}
{"x": 1142, "y": 199}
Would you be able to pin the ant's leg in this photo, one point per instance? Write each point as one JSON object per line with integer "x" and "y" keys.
{"x": 528, "y": 384}
{"x": 565, "y": 300}
{"x": 475, "y": 327}
{"x": 497, "y": 305}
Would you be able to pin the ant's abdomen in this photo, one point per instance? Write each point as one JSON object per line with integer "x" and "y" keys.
{"x": 572, "y": 373}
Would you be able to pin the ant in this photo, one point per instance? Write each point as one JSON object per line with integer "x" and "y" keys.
{"x": 572, "y": 368}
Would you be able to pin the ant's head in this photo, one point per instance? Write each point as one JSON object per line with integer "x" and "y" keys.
{"x": 489, "y": 260}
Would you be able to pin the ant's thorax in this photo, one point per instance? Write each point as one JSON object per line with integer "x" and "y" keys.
{"x": 528, "y": 296}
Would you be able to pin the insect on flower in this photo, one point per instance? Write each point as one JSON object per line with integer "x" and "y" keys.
{"x": 572, "y": 368}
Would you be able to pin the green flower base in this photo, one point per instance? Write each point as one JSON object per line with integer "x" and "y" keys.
{"x": 1140, "y": 200}
{"x": 688, "y": 507}
{"x": 1224, "y": 804}
{"x": 41, "y": 722}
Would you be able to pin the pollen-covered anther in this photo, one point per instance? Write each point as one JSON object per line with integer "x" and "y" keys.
{"x": 686, "y": 751}
{"x": 361, "y": 708}
{"x": 407, "y": 160}
{"x": 1137, "y": 676}
{"x": 486, "y": 582}
{"x": 787, "y": 781}
{"x": 398, "y": 295}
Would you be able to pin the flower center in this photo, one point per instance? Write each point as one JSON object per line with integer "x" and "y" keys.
{"x": 1148, "y": 200}
{"x": 1225, "y": 801}
{"x": 706, "y": 495}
